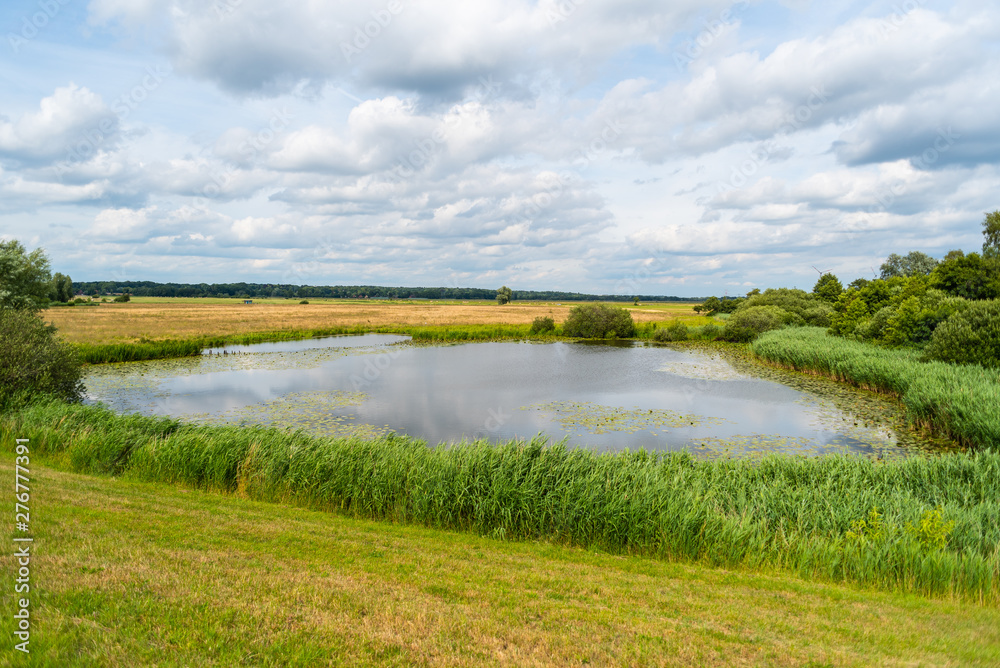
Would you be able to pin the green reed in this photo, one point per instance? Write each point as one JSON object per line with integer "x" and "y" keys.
{"x": 959, "y": 401}
{"x": 789, "y": 513}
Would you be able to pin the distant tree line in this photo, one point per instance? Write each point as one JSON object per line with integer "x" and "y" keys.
{"x": 265, "y": 290}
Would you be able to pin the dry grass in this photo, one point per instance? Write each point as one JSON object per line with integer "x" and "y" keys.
{"x": 164, "y": 318}
{"x": 151, "y": 574}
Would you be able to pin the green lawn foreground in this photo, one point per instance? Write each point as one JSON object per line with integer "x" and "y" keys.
{"x": 129, "y": 573}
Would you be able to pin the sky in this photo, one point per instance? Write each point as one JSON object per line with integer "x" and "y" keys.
{"x": 688, "y": 148}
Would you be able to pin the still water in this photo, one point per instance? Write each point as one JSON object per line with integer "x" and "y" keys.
{"x": 597, "y": 396}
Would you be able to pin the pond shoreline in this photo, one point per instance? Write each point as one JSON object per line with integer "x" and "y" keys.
{"x": 791, "y": 513}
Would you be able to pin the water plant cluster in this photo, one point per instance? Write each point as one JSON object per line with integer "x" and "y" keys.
{"x": 778, "y": 512}
{"x": 959, "y": 401}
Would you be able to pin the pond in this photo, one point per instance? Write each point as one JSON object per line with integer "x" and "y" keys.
{"x": 605, "y": 397}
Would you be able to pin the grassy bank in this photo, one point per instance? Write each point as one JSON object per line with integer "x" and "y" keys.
{"x": 130, "y": 573}
{"x": 149, "y": 350}
{"x": 961, "y": 402}
{"x": 791, "y": 514}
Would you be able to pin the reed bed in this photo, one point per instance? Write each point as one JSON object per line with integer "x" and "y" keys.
{"x": 791, "y": 514}
{"x": 958, "y": 401}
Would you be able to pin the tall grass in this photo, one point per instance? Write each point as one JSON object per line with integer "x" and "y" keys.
{"x": 959, "y": 401}
{"x": 781, "y": 513}
{"x": 148, "y": 350}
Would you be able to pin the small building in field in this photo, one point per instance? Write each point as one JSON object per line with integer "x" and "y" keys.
{"x": 248, "y": 301}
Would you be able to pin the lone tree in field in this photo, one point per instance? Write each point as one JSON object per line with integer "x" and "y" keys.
{"x": 504, "y": 295}
{"x": 598, "y": 321}
{"x": 62, "y": 288}
{"x": 24, "y": 277}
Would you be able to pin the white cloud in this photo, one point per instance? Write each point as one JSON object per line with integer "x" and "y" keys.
{"x": 71, "y": 124}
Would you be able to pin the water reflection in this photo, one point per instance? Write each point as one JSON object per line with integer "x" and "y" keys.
{"x": 601, "y": 397}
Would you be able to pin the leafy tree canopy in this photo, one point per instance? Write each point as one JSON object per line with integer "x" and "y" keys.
{"x": 24, "y": 277}
{"x": 828, "y": 288}
{"x": 914, "y": 264}
{"x": 991, "y": 235}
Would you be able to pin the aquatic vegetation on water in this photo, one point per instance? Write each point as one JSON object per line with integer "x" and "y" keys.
{"x": 598, "y": 419}
{"x": 704, "y": 367}
{"x": 315, "y": 412}
{"x": 958, "y": 401}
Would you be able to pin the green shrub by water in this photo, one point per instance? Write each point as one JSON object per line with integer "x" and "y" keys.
{"x": 969, "y": 336}
{"x": 940, "y": 516}
{"x": 34, "y": 361}
{"x": 959, "y": 401}
{"x": 599, "y": 321}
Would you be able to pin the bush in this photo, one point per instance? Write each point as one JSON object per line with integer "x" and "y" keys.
{"x": 710, "y": 332}
{"x": 540, "y": 325}
{"x": 34, "y": 362}
{"x": 598, "y": 321}
{"x": 123, "y": 298}
{"x": 675, "y": 331}
{"x": 970, "y": 336}
{"x": 748, "y": 322}
{"x": 304, "y": 301}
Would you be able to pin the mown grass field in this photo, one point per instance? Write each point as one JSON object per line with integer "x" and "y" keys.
{"x": 134, "y": 573}
{"x": 156, "y": 319}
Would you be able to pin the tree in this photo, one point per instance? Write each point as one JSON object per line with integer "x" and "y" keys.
{"x": 62, "y": 288}
{"x": 828, "y": 288}
{"x": 504, "y": 295}
{"x": 970, "y": 276}
{"x": 598, "y": 321}
{"x": 914, "y": 264}
{"x": 24, "y": 277}
{"x": 991, "y": 234}
{"x": 33, "y": 361}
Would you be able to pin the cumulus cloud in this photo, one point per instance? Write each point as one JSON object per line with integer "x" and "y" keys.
{"x": 435, "y": 47}
{"x": 72, "y": 123}
{"x": 544, "y": 144}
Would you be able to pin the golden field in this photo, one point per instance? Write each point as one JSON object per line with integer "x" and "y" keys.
{"x": 159, "y": 318}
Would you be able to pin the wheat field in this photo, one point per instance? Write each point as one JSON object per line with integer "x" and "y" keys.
{"x": 154, "y": 319}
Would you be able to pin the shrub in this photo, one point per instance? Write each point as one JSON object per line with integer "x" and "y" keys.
{"x": 33, "y": 361}
{"x": 710, "y": 332}
{"x": 123, "y": 298}
{"x": 540, "y": 325}
{"x": 748, "y": 322}
{"x": 675, "y": 331}
{"x": 304, "y": 301}
{"x": 798, "y": 302}
{"x": 969, "y": 336}
{"x": 599, "y": 321}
